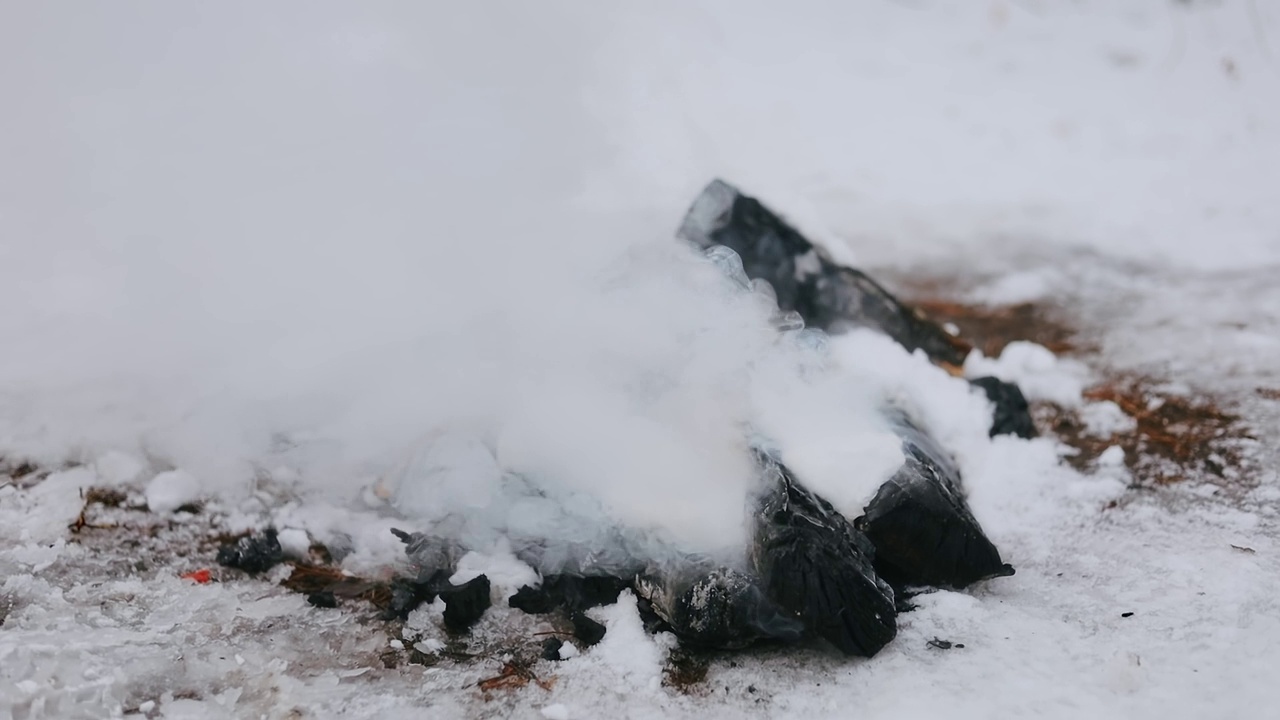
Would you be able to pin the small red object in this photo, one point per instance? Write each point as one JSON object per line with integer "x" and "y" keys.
{"x": 201, "y": 576}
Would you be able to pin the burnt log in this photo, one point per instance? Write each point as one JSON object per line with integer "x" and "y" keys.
{"x": 817, "y": 566}
{"x": 568, "y": 592}
{"x": 465, "y": 603}
{"x": 827, "y": 295}
{"x": 921, "y": 525}
{"x": 719, "y": 608}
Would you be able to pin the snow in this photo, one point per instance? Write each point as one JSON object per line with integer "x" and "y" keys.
{"x": 1112, "y": 456}
{"x": 172, "y": 489}
{"x": 1038, "y": 372}
{"x": 1105, "y": 418}
{"x": 556, "y": 712}
{"x": 569, "y": 650}
{"x": 42, "y": 515}
{"x": 1016, "y": 287}
{"x": 632, "y": 656}
{"x": 506, "y": 574}
{"x": 222, "y": 263}
{"x": 294, "y": 542}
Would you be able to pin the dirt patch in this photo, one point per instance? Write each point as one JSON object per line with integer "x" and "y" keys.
{"x": 15, "y": 469}
{"x": 686, "y": 672}
{"x": 991, "y": 328}
{"x": 1269, "y": 393}
{"x": 1175, "y": 437}
{"x": 105, "y": 496}
{"x": 19, "y": 473}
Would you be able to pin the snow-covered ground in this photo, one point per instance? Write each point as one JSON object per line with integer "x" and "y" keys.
{"x": 243, "y": 248}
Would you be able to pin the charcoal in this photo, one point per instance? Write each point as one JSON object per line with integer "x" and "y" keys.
{"x": 922, "y": 528}
{"x": 551, "y": 648}
{"x": 533, "y": 600}
{"x": 1012, "y": 416}
{"x": 253, "y": 553}
{"x": 568, "y": 592}
{"x": 816, "y": 566}
{"x": 827, "y": 295}
{"x": 323, "y": 599}
{"x": 465, "y": 603}
{"x": 727, "y": 609}
{"x": 572, "y": 594}
{"x": 586, "y": 630}
{"x": 436, "y": 559}
{"x": 408, "y": 593}
{"x": 649, "y": 617}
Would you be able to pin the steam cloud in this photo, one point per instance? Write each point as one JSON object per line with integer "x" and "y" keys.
{"x": 314, "y": 235}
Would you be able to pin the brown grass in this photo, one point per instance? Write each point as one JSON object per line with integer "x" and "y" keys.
{"x": 514, "y": 675}
{"x": 1175, "y": 437}
{"x": 308, "y": 579}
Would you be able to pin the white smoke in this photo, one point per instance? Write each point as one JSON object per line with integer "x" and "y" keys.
{"x": 314, "y": 234}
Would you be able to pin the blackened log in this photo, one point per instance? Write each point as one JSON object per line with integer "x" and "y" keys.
{"x": 921, "y": 525}
{"x": 722, "y": 609}
{"x": 568, "y": 592}
{"x": 587, "y": 631}
{"x": 819, "y": 568}
{"x": 323, "y": 599}
{"x": 829, "y": 296}
{"x": 551, "y": 648}
{"x": 408, "y": 593}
